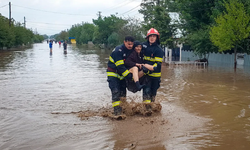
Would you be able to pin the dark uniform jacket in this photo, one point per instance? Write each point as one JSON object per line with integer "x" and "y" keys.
{"x": 116, "y": 67}
{"x": 133, "y": 58}
{"x": 153, "y": 55}
{"x": 64, "y": 46}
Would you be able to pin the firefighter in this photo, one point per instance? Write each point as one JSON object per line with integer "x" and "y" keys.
{"x": 153, "y": 56}
{"x": 117, "y": 71}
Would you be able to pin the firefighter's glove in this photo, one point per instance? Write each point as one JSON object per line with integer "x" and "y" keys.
{"x": 129, "y": 76}
{"x": 145, "y": 70}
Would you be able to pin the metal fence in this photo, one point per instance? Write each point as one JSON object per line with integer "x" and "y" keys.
{"x": 217, "y": 57}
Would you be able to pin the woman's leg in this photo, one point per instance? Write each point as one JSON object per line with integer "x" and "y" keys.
{"x": 140, "y": 73}
{"x": 134, "y": 71}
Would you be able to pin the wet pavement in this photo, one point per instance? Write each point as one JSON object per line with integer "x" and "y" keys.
{"x": 201, "y": 108}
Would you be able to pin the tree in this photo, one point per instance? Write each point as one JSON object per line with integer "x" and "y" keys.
{"x": 133, "y": 28}
{"x": 63, "y": 35}
{"x": 231, "y": 28}
{"x": 195, "y": 18}
{"x": 7, "y": 36}
{"x": 87, "y": 31}
{"x": 156, "y": 15}
{"x": 201, "y": 43}
{"x": 113, "y": 40}
{"x": 106, "y": 26}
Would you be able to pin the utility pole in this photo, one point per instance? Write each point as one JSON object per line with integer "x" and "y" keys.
{"x": 99, "y": 14}
{"x": 10, "y": 14}
{"x": 24, "y": 23}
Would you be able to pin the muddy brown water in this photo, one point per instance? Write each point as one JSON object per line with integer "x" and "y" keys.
{"x": 202, "y": 109}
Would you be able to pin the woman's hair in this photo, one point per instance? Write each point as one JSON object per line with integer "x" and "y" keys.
{"x": 136, "y": 43}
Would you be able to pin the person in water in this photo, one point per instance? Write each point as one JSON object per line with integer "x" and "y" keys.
{"x": 50, "y": 46}
{"x": 65, "y": 47}
{"x": 116, "y": 72}
{"x": 134, "y": 63}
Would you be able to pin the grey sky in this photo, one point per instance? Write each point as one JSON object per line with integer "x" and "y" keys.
{"x": 52, "y": 16}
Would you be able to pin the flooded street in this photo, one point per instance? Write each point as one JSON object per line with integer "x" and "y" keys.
{"x": 202, "y": 109}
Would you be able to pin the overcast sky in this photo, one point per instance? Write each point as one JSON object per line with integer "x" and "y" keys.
{"x": 52, "y": 16}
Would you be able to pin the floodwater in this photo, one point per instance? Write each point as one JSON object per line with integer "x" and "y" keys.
{"x": 202, "y": 108}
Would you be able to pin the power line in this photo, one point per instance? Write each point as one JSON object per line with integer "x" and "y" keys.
{"x": 51, "y": 11}
{"x": 117, "y": 6}
{"x": 49, "y": 23}
{"x": 130, "y": 10}
{"x": 4, "y": 5}
{"x": 122, "y": 5}
{"x": 44, "y": 26}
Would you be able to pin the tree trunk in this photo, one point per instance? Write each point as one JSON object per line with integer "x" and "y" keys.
{"x": 235, "y": 54}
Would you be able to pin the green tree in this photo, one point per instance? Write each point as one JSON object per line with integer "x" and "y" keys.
{"x": 63, "y": 35}
{"x": 106, "y": 26}
{"x": 156, "y": 15}
{"x": 195, "y": 18}
{"x": 231, "y": 28}
{"x": 87, "y": 31}
{"x": 133, "y": 28}
{"x": 75, "y": 31}
{"x": 113, "y": 40}
{"x": 7, "y": 36}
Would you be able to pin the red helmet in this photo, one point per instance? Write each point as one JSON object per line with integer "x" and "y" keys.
{"x": 153, "y": 31}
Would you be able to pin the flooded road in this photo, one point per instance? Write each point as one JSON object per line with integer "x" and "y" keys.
{"x": 201, "y": 108}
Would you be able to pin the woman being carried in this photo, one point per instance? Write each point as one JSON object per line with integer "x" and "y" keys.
{"x": 134, "y": 63}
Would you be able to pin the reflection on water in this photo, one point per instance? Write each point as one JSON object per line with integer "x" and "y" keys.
{"x": 202, "y": 108}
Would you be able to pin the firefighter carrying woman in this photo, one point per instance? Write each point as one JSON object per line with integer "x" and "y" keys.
{"x": 119, "y": 71}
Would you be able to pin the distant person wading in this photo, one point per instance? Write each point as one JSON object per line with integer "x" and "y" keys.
{"x": 65, "y": 47}
{"x": 50, "y": 46}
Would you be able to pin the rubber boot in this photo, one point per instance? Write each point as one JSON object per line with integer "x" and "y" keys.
{"x": 138, "y": 85}
{"x": 153, "y": 99}
{"x": 117, "y": 110}
{"x": 118, "y": 113}
{"x": 148, "y": 110}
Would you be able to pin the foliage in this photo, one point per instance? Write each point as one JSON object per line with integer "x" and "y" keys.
{"x": 133, "y": 28}
{"x": 106, "y": 26}
{"x": 156, "y": 15}
{"x": 195, "y": 18}
{"x": 15, "y": 35}
{"x": 113, "y": 40}
{"x": 82, "y": 32}
{"x": 232, "y": 27}
{"x": 7, "y": 36}
{"x": 63, "y": 35}
{"x": 45, "y": 36}
{"x": 38, "y": 38}
{"x": 200, "y": 45}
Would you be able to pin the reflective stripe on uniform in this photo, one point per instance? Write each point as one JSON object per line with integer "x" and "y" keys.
{"x": 148, "y": 58}
{"x": 113, "y": 74}
{"x": 147, "y": 101}
{"x": 111, "y": 59}
{"x": 159, "y": 59}
{"x": 125, "y": 73}
{"x": 155, "y": 65}
{"x": 155, "y": 74}
{"x": 117, "y": 103}
{"x": 119, "y": 62}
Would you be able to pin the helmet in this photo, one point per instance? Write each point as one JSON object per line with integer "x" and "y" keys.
{"x": 153, "y": 31}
